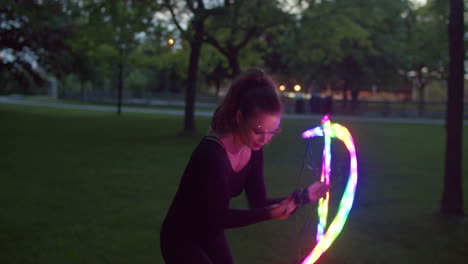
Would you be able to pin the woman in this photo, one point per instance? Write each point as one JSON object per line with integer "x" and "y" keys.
{"x": 226, "y": 162}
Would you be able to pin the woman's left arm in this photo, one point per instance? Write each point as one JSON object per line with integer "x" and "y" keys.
{"x": 255, "y": 184}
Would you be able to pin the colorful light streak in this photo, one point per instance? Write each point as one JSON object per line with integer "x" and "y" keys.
{"x": 324, "y": 239}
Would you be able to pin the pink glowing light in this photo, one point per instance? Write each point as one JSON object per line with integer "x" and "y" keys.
{"x": 324, "y": 236}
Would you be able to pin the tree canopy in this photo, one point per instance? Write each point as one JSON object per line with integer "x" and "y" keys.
{"x": 362, "y": 43}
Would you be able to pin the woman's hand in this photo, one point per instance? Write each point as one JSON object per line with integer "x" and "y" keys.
{"x": 317, "y": 190}
{"x": 283, "y": 209}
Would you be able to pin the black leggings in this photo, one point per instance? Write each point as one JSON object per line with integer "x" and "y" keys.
{"x": 180, "y": 248}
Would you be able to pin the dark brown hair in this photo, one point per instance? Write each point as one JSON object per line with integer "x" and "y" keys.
{"x": 251, "y": 93}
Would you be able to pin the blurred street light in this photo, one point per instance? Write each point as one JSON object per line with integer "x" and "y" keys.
{"x": 282, "y": 87}
{"x": 170, "y": 41}
{"x": 297, "y": 88}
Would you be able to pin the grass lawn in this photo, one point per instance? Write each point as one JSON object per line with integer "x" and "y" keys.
{"x": 91, "y": 187}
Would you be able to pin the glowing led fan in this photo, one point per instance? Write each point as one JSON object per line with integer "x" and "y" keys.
{"x": 324, "y": 238}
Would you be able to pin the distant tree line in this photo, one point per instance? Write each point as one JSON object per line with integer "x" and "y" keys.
{"x": 88, "y": 44}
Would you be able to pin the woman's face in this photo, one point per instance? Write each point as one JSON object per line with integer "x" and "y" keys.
{"x": 258, "y": 130}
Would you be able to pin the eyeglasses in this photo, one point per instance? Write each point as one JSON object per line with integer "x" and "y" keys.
{"x": 259, "y": 130}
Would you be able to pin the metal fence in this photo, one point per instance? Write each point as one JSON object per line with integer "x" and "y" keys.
{"x": 400, "y": 109}
{"x": 132, "y": 98}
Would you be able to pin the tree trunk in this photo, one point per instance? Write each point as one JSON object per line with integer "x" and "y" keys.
{"x": 82, "y": 91}
{"x": 345, "y": 89}
{"x": 195, "y": 45}
{"x": 354, "y": 99}
{"x": 120, "y": 82}
{"x": 218, "y": 87}
{"x": 421, "y": 101}
{"x": 452, "y": 197}
{"x": 234, "y": 64}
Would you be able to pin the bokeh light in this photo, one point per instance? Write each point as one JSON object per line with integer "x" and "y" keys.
{"x": 170, "y": 41}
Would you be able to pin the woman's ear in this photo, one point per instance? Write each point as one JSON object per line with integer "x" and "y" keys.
{"x": 239, "y": 118}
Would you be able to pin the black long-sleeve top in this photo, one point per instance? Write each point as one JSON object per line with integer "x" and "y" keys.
{"x": 201, "y": 204}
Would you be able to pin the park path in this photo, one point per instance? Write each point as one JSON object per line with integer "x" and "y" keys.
{"x": 126, "y": 109}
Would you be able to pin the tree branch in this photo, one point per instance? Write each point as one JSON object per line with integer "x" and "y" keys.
{"x": 248, "y": 36}
{"x": 168, "y": 4}
{"x": 211, "y": 40}
{"x": 201, "y": 5}
{"x": 190, "y": 5}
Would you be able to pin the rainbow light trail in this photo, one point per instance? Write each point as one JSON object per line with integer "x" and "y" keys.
{"x": 324, "y": 239}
